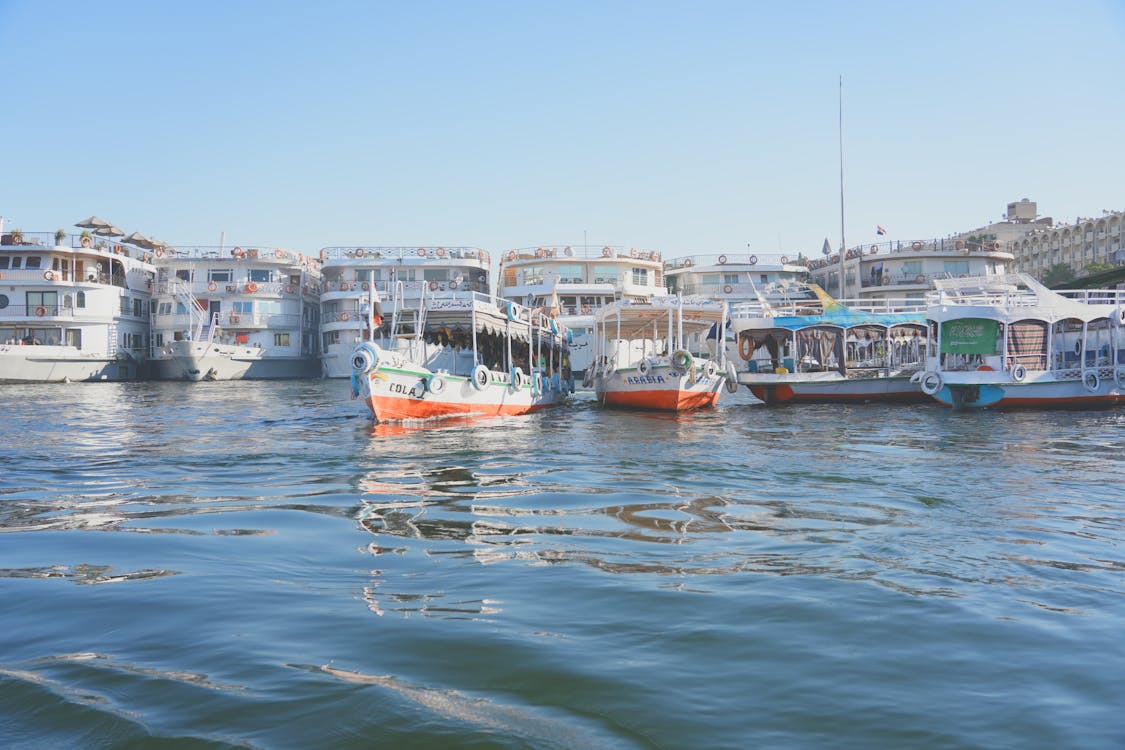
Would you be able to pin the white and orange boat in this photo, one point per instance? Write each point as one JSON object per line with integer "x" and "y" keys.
{"x": 641, "y": 360}
{"x": 468, "y": 355}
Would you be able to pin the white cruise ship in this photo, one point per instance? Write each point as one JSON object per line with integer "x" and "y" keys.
{"x": 72, "y": 307}
{"x": 580, "y": 280}
{"x": 396, "y": 276}
{"x": 246, "y": 312}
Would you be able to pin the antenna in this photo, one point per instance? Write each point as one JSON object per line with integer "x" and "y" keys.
{"x": 843, "y": 245}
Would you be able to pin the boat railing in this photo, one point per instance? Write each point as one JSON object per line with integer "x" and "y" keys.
{"x": 940, "y": 246}
{"x": 234, "y": 253}
{"x": 409, "y": 288}
{"x": 363, "y": 252}
{"x": 732, "y": 259}
{"x": 63, "y": 310}
{"x": 581, "y": 252}
{"x": 186, "y": 321}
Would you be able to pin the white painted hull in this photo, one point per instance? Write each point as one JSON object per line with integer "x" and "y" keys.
{"x": 186, "y": 360}
{"x": 829, "y": 387}
{"x": 52, "y": 364}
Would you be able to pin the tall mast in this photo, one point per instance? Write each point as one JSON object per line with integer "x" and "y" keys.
{"x": 843, "y": 246}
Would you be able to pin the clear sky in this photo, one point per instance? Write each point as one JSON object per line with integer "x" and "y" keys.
{"x": 686, "y": 127}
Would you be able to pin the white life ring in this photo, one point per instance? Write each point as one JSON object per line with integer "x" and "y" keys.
{"x": 722, "y": 260}
{"x": 916, "y": 245}
{"x": 784, "y": 259}
{"x": 727, "y": 289}
{"x": 606, "y": 252}
{"x": 433, "y": 286}
{"x": 568, "y": 252}
{"x": 49, "y": 275}
{"x": 931, "y": 383}
{"x": 517, "y": 378}
{"x": 1092, "y": 382}
{"x": 682, "y": 359}
{"x": 537, "y": 384}
{"x": 874, "y": 249}
{"x": 709, "y": 369}
{"x": 480, "y": 377}
{"x": 643, "y": 366}
{"x": 1019, "y": 373}
{"x": 212, "y": 286}
{"x": 732, "y": 378}
{"x": 753, "y": 260}
{"x": 687, "y": 262}
{"x": 435, "y": 384}
{"x": 87, "y": 242}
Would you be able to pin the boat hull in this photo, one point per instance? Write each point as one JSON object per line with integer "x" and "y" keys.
{"x": 58, "y": 364}
{"x": 185, "y": 360}
{"x": 661, "y": 390}
{"x": 394, "y": 394}
{"x": 829, "y": 388}
{"x": 1042, "y": 393}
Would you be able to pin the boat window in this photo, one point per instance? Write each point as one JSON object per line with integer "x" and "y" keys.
{"x": 730, "y": 278}
{"x": 912, "y": 268}
{"x": 180, "y": 309}
{"x": 640, "y": 276}
{"x": 33, "y": 262}
{"x": 435, "y": 274}
{"x": 763, "y": 278}
{"x": 3, "y": 262}
{"x": 138, "y": 307}
{"x": 1027, "y": 344}
{"x": 261, "y": 275}
{"x": 281, "y": 339}
{"x": 16, "y": 262}
{"x": 49, "y": 301}
{"x": 243, "y": 308}
{"x": 220, "y": 274}
{"x": 957, "y": 267}
{"x": 183, "y": 274}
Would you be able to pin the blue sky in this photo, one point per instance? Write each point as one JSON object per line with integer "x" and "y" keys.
{"x": 684, "y": 127}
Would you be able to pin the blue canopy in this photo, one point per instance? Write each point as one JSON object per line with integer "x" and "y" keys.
{"x": 844, "y": 317}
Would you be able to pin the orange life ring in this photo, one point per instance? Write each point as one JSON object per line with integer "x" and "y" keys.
{"x": 290, "y": 289}
{"x": 360, "y": 252}
{"x": 919, "y": 279}
{"x": 585, "y": 309}
{"x": 745, "y": 347}
{"x": 540, "y": 252}
{"x": 86, "y": 242}
{"x": 874, "y": 249}
{"x": 784, "y": 259}
{"x": 606, "y": 251}
{"x": 916, "y": 245}
{"x": 235, "y": 318}
{"x": 212, "y": 286}
{"x": 511, "y": 255}
{"x": 722, "y": 260}
{"x": 687, "y": 262}
{"x": 344, "y": 315}
{"x": 441, "y": 252}
{"x": 252, "y": 287}
{"x": 366, "y": 287}
{"x": 344, "y": 286}
{"x": 421, "y": 252}
{"x": 237, "y": 252}
{"x": 40, "y": 312}
{"x": 49, "y": 275}
{"x": 753, "y": 260}
{"x": 727, "y": 289}
{"x": 433, "y": 286}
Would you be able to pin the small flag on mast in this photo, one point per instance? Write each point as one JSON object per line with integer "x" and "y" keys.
{"x": 827, "y": 249}
{"x": 879, "y": 229}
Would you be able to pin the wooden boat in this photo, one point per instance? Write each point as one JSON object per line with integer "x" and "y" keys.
{"x": 472, "y": 354}
{"x": 641, "y": 360}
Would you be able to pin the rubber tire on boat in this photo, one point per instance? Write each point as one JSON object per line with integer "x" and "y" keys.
{"x": 363, "y": 360}
{"x": 1019, "y": 373}
{"x": 732, "y": 378}
{"x": 480, "y": 377}
{"x": 435, "y": 384}
{"x": 517, "y": 378}
{"x": 1092, "y": 382}
{"x": 682, "y": 359}
{"x": 931, "y": 383}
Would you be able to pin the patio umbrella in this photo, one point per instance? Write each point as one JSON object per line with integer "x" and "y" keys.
{"x": 94, "y": 223}
{"x": 108, "y": 231}
{"x": 136, "y": 239}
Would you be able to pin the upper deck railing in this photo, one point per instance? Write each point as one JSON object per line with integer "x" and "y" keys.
{"x": 403, "y": 253}
{"x": 740, "y": 260}
{"x": 943, "y": 246}
{"x": 579, "y": 253}
{"x": 236, "y": 253}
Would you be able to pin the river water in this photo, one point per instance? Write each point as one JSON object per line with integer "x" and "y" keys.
{"x": 258, "y": 565}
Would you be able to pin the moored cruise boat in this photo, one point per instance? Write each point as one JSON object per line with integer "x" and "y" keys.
{"x": 1009, "y": 341}
{"x": 460, "y": 356}
{"x": 641, "y": 360}
{"x": 582, "y": 279}
{"x": 234, "y": 313}
{"x": 907, "y": 270}
{"x": 350, "y": 273}
{"x": 824, "y": 351}
{"x": 72, "y": 307}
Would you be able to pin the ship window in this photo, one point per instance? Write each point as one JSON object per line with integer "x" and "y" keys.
{"x": 730, "y": 278}
{"x": 219, "y": 274}
{"x": 281, "y": 339}
{"x": 4, "y": 263}
{"x": 243, "y": 308}
{"x": 912, "y": 268}
{"x": 16, "y": 261}
{"x": 957, "y": 267}
{"x": 435, "y": 274}
{"x": 33, "y": 262}
{"x": 80, "y": 300}
{"x": 138, "y": 307}
{"x": 640, "y": 276}
{"x": 763, "y": 278}
{"x": 183, "y": 274}
{"x": 48, "y": 300}
{"x": 261, "y": 275}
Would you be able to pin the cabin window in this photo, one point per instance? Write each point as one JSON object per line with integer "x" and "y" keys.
{"x": 3, "y": 263}
{"x": 435, "y": 274}
{"x": 912, "y": 268}
{"x": 281, "y": 339}
{"x": 640, "y": 276}
{"x": 16, "y": 262}
{"x": 125, "y": 306}
{"x": 763, "y": 278}
{"x": 243, "y": 308}
{"x": 220, "y": 274}
{"x": 261, "y": 275}
{"x": 138, "y": 308}
{"x": 33, "y": 262}
{"x": 957, "y": 267}
{"x": 159, "y": 341}
{"x": 47, "y": 300}
{"x": 184, "y": 274}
